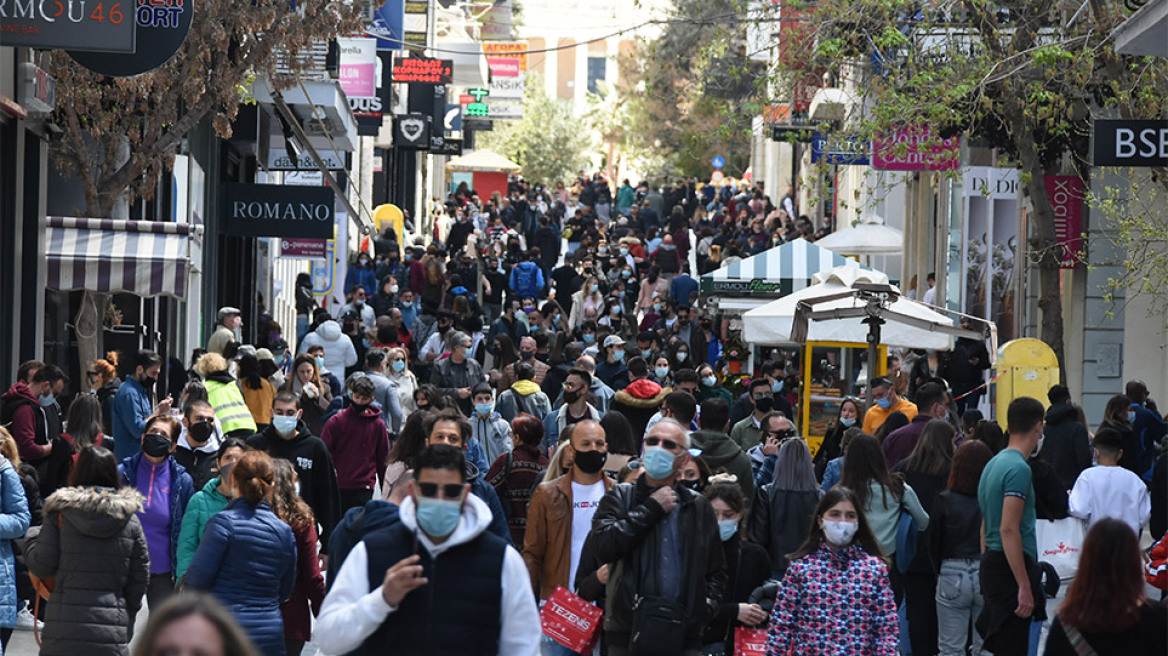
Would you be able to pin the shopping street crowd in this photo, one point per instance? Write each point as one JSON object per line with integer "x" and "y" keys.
{"x": 527, "y": 404}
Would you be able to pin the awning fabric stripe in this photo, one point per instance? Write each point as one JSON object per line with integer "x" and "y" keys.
{"x": 789, "y": 266}
{"x": 147, "y": 258}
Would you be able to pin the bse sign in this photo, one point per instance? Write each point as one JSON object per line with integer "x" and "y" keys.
{"x": 1130, "y": 143}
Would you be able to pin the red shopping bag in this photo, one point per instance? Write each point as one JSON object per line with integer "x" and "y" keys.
{"x": 570, "y": 621}
{"x": 749, "y": 642}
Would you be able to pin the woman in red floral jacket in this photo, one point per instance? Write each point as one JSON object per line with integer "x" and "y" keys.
{"x": 835, "y": 599}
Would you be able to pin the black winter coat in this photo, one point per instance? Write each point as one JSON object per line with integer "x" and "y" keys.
{"x": 626, "y": 530}
{"x": 747, "y": 567}
{"x": 1065, "y": 444}
{"x": 92, "y": 543}
{"x": 779, "y": 521}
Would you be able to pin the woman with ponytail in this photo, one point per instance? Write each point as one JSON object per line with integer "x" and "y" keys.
{"x": 247, "y": 557}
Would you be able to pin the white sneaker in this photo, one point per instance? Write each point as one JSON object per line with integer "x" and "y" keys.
{"x": 25, "y": 619}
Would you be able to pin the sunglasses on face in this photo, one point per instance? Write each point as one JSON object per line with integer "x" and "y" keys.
{"x": 784, "y": 434}
{"x": 669, "y": 445}
{"x": 449, "y": 490}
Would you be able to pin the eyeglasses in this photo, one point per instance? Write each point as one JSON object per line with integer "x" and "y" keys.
{"x": 669, "y": 445}
{"x": 784, "y": 434}
{"x": 449, "y": 490}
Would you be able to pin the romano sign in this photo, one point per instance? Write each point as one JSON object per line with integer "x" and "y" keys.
{"x": 257, "y": 210}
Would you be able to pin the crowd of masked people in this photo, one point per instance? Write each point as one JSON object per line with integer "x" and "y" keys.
{"x": 483, "y": 423}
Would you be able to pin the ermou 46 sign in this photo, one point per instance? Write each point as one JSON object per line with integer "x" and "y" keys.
{"x": 423, "y": 70}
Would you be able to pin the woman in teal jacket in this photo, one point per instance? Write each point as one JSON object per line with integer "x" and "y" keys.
{"x": 14, "y": 520}
{"x": 214, "y": 496}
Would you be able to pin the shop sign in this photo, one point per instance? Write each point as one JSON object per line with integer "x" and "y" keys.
{"x": 280, "y": 160}
{"x": 839, "y": 149}
{"x": 75, "y": 24}
{"x": 38, "y": 89}
{"x": 511, "y": 49}
{"x": 450, "y": 148}
{"x": 477, "y": 124}
{"x": 162, "y": 27}
{"x": 915, "y": 148}
{"x": 416, "y": 23}
{"x": 423, "y": 70}
{"x": 1130, "y": 143}
{"x": 1066, "y": 199}
{"x": 311, "y": 249}
{"x": 388, "y": 25}
{"x": 753, "y": 286}
{"x": 261, "y": 210}
{"x": 452, "y": 120}
{"x": 357, "y": 66}
{"x": 412, "y": 131}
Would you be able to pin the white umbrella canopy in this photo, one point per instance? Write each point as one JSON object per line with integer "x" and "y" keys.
{"x": 773, "y": 323}
{"x": 869, "y": 237}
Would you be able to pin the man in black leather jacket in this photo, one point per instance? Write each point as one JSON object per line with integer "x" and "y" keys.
{"x": 661, "y": 540}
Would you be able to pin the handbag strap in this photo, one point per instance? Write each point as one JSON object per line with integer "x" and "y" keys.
{"x": 1078, "y": 642}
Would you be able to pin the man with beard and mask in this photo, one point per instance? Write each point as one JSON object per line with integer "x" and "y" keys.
{"x": 746, "y": 433}
{"x": 198, "y": 446}
{"x": 167, "y": 488}
{"x": 437, "y": 581}
{"x": 288, "y": 437}
{"x": 451, "y": 428}
{"x": 133, "y": 405}
{"x": 559, "y": 517}
{"x": 772, "y": 372}
{"x": 358, "y": 442}
{"x": 458, "y": 374}
{"x": 527, "y": 353}
{"x": 666, "y": 539}
{"x": 360, "y": 307}
{"x": 576, "y": 408}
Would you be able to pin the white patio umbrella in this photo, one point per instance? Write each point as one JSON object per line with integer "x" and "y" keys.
{"x": 868, "y": 237}
{"x": 908, "y": 323}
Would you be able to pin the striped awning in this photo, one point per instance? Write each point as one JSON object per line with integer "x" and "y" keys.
{"x": 147, "y": 258}
{"x": 774, "y": 272}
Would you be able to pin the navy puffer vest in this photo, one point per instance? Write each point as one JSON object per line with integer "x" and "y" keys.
{"x": 456, "y": 613}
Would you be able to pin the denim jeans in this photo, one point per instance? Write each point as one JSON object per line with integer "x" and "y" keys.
{"x": 549, "y": 647}
{"x": 959, "y": 603}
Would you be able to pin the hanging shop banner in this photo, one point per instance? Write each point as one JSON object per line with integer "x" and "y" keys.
{"x": 916, "y": 148}
{"x": 357, "y": 66}
{"x": 87, "y": 26}
{"x": 423, "y": 70}
{"x": 161, "y": 28}
{"x": 261, "y": 210}
{"x": 507, "y": 49}
{"x": 388, "y": 25}
{"x": 989, "y": 286}
{"x": 839, "y": 149}
{"x": 412, "y": 131}
{"x": 1066, "y": 198}
{"x": 416, "y": 24}
{"x": 280, "y": 160}
{"x": 1130, "y": 143}
{"x": 497, "y": 21}
{"x": 308, "y": 249}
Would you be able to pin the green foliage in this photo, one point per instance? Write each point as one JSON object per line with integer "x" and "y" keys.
{"x": 548, "y": 142}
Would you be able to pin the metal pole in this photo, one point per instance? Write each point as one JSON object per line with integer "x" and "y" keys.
{"x": 874, "y": 324}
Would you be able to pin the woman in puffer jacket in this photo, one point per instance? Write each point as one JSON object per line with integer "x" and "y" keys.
{"x": 247, "y": 557}
{"x": 14, "y": 521}
{"x": 92, "y": 543}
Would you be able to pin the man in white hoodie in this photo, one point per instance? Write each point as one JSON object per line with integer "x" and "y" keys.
{"x": 338, "y": 348}
{"x": 392, "y": 595}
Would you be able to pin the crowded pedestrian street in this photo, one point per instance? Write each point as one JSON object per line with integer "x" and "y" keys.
{"x": 635, "y": 328}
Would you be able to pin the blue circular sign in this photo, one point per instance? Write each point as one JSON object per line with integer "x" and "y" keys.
{"x": 718, "y": 162}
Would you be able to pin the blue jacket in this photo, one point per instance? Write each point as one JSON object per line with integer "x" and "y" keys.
{"x": 366, "y": 277}
{"x": 14, "y": 520}
{"x": 182, "y": 488}
{"x": 526, "y": 279}
{"x": 357, "y": 522}
{"x": 247, "y": 559}
{"x": 131, "y": 408}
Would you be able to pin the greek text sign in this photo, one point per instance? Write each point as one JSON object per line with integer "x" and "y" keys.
{"x": 258, "y": 210}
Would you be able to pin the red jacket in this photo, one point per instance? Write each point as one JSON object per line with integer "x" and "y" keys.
{"x": 359, "y": 445}
{"x": 308, "y": 592}
{"x": 1156, "y": 569}
{"x": 24, "y": 411}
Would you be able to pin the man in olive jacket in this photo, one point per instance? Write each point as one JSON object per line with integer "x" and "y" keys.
{"x": 664, "y": 541}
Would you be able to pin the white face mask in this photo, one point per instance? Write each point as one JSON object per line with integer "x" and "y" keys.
{"x": 839, "y": 534}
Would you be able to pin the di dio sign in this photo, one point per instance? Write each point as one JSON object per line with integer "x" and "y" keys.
{"x": 1131, "y": 143}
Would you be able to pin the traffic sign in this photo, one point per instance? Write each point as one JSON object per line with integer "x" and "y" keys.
{"x": 718, "y": 162}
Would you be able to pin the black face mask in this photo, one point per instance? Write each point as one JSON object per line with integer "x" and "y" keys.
{"x": 590, "y": 462}
{"x": 442, "y": 330}
{"x": 147, "y": 382}
{"x": 359, "y": 408}
{"x": 572, "y": 397}
{"x": 764, "y": 404}
{"x": 200, "y": 432}
{"x": 527, "y": 355}
{"x": 155, "y": 445}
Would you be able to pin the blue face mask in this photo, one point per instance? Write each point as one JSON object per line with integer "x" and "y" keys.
{"x": 658, "y": 462}
{"x": 848, "y": 422}
{"x": 284, "y": 425}
{"x": 1131, "y": 414}
{"x": 777, "y": 386}
{"x": 618, "y": 355}
{"x": 320, "y": 363}
{"x": 399, "y": 365}
{"x": 484, "y": 408}
{"x": 661, "y": 372}
{"x": 47, "y": 400}
{"x": 589, "y": 338}
{"x": 647, "y": 353}
{"x": 884, "y": 403}
{"x": 709, "y": 381}
{"x": 438, "y": 517}
{"x": 727, "y": 528}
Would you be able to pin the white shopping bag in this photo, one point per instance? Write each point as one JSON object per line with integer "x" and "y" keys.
{"x": 1060, "y": 542}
